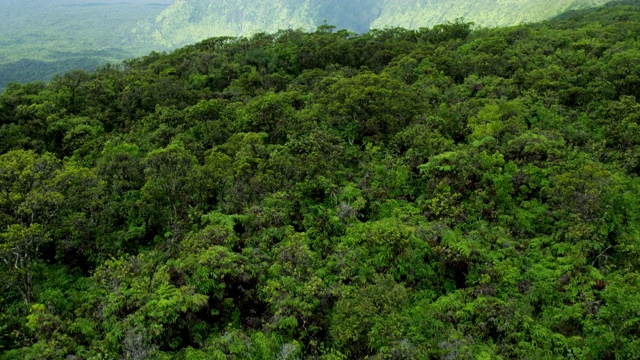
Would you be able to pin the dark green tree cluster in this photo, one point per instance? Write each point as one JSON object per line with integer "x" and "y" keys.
{"x": 401, "y": 194}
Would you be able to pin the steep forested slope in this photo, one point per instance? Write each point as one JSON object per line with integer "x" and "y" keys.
{"x": 186, "y": 21}
{"x": 419, "y": 13}
{"x": 41, "y": 38}
{"x": 400, "y": 194}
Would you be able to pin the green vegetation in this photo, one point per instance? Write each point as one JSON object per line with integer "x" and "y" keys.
{"x": 42, "y": 38}
{"x": 189, "y": 21}
{"x": 185, "y": 22}
{"x": 491, "y": 13}
{"x": 400, "y": 194}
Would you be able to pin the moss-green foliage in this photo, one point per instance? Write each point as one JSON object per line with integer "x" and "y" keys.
{"x": 426, "y": 194}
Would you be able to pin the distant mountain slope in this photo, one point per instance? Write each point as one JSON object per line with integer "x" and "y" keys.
{"x": 489, "y": 13}
{"x": 39, "y": 38}
{"x": 187, "y": 21}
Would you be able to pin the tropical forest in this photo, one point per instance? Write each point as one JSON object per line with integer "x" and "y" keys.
{"x": 442, "y": 192}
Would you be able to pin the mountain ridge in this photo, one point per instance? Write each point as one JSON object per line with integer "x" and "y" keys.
{"x": 188, "y": 21}
{"x": 72, "y": 34}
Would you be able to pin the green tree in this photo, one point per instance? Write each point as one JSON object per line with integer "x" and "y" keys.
{"x": 167, "y": 186}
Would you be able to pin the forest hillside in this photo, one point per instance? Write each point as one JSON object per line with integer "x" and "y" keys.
{"x": 42, "y": 38}
{"x": 187, "y": 21}
{"x": 485, "y": 13}
{"x": 398, "y": 194}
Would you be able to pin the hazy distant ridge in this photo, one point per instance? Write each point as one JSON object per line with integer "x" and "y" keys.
{"x": 187, "y": 21}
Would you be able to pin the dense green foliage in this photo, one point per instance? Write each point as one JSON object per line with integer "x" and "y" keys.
{"x": 432, "y": 193}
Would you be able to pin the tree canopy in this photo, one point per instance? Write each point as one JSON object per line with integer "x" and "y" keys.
{"x": 433, "y": 193}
